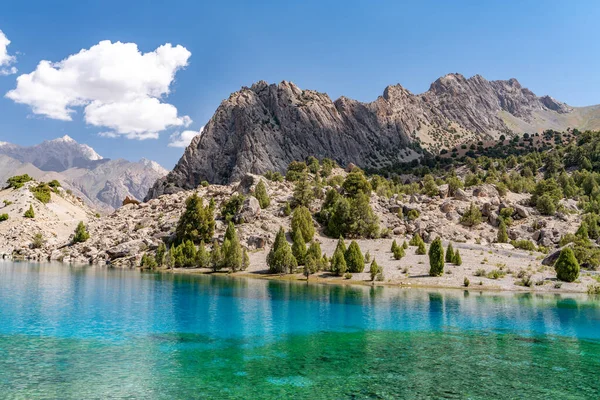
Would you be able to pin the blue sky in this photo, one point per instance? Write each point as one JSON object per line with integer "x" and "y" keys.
{"x": 351, "y": 48}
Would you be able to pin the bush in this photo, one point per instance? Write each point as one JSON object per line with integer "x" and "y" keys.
{"x": 412, "y": 215}
{"x": 159, "y": 257}
{"x": 421, "y": 250}
{"x": 546, "y": 205}
{"x": 314, "y": 251}
{"x": 436, "y": 258}
{"x": 232, "y": 250}
{"x": 480, "y": 272}
{"x": 567, "y": 267}
{"x": 349, "y": 218}
{"x": 245, "y": 259}
{"x": 466, "y": 282}
{"x": 496, "y": 274}
{"x": 274, "y": 176}
{"x": 287, "y": 209}
{"x": 356, "y": 183}
{"x": 41, "y": 192}
{"x": 502, "y": 234}
{"x": 303, "y": 192}
{"x": 29, "y": 213}
{"x": 302, "y": 220}
{"x": 374, "y": 270}
{"x": 355, "y": 262}
{"x": 472, "y": 216}
{"x": 313, "y": 164}
{"x": 38, "y": 241}
{"x": 415, "y": 240}
{"x": 398, "y": 252}
{"x": 394, "y": 245}
{"x": 18, "y": 181}
{"x": 523, "y": 244}
{"x": 338, "y": 262}
{"x": 81, "y": 233}
{"x": 260, "y": 192}
{"x": 295, "y": 170}
{"x": 404, "y": 245}
{"x": 148, "y": 262}
{"x": 3, "y": 217}
{"x": 197, "y": 223}
{"x": 231, "y": 207}
{"x": 299, "y": 246}
{"x": 457, "y": 260}
{"x": 327, "y": 166}
{"x": 449, "y": 253}
{"x": 216, "y": 257}
{"x": 310, "y": 266}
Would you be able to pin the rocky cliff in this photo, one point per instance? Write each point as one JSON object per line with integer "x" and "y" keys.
{"x": 264, "y": 127}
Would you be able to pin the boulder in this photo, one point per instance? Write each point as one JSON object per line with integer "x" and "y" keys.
{"x": 447, "y": 207}
{"x": 460, "y": 194}
{"x": 126, "y": 249}
{"x": 485, "y": 190}
{"x": 551, "y": 258}
{"x": 444, "y": 190}
{"x": 249, "y": 212}
{"x": 399, "y": 230}
{"x": 521, "y": 211}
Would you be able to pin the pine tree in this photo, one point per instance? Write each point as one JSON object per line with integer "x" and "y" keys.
{"x": 449, "y": 253}
{"x": 404, "y": 245}
{"x": 81, "y": 232}
{"x": 260, "y": 192}
{"x": 197, "y": 222}
{"x": 457, "y": 260}
{"x": 283, "y": 260}
{"x": 232, "y": 250}
{"x": 202, "y": 256}
{"x": 216, "y": 257}
{"x": 277, "y": 244}
{"x": 567, "y": 267}
{"x": 303, "y": 221}
{"x": 188, "y": 251}
{"x": 502, "y": 234}
{"x": 160, "y": 254}
{"x": 374, "y": 270}
{"x": 303, "y": 193}
{"x": 582, "y": 231}
{"x": 310, "y": 266}
{"x": 338, "y": 262}
{"x": 341, "y": 245}
{"x": 355, "y": 262}
{"x": 29, "y": 213}
{"x": 421, "y": 249}
{"x": 245, "y": 259}
{"x": 398, "y": 252}
{"x": 314, "y": 250}
{"x": 416, "y": 239}
{"x": 299, "y": 246}
{"x": 436, "y": 258}
{"x": 394, "y": 246}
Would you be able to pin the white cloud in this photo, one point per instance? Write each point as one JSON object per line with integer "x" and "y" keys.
{"x": 118, "y": 86}
{"x": 6, "y": 60}
{"x": 184, "y": 138}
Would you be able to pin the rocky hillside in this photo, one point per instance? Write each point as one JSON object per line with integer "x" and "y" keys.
{"x": 122, "y": 238}
{"x": 100, "y": 182}
{"x": 264, "y": 127}
{"x": 55, "y": 221}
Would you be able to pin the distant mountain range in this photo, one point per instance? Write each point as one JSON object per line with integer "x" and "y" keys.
{"x": 101, "y": 182}
{"x": 264, "y": 127}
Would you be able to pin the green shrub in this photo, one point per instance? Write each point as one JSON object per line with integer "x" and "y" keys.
{"x": 18, "y": 181}
{"x": 496, "y": 274}
{"x": 41, "y": 192}
{"x": 202, "y": 256}
{"x": 472, "y": 216}
{"x": 421, "y": 250}
{"x": 81, "y": 233}
{"x": 260, "y": 192}
{"x": 480, "y": 272}
{"x": 30, "y": 213}
{"x": 303, "y": 192}
{"x": 466, "y": 282}
{"x": 436, "y": 258}
{"x": 356, "y": 183}
{"x": 302, "y": 220}
{"x": 404, "y": 245}
{"x": 355, "y": 262}
{"x": 287, "y": 209}
{"x": 274, "y": 176}
{"x": 3, "y": 217}
{"x": 338, "y": 262}
{"x": 159, "y": 257}
{"x": 502, "y": 234}
{"x": 313, "y": 164}
{"x": 216, "y": 257}
{"x": 398, "y": 252}
{"x": 449, "y": 253}
{"x": 197, "y": 223}
{"x": 457, "y": 260}
{"x": 299, "y": 246}
{"x": 232, "y": 250}
{"x": 327, "y": 166}
{"x": 231, "y": 207}
{"x": 374, "y": 270}
{"x": 295, "y": 170}
{"x": 148, "y": 262}
{"x": 523, "y": 244}
{"x": 567, "y": 267}
{"x": 546, "y": 205}
{"x": 38, "y": 241}
{"x": 412, "y": 215}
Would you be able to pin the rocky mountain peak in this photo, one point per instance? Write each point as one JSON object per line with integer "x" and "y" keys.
{"x": 265, "y": 126}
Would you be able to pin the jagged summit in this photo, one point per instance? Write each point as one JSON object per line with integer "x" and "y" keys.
{"x": 265, "y": 126}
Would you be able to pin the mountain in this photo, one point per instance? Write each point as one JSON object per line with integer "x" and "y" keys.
{"x": 264, "y": 127}
{"x": 100, "y": 182}
{"x": 54, "y": 155}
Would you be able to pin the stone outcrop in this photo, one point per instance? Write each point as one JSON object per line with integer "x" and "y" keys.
{"x": 265, "y": 127}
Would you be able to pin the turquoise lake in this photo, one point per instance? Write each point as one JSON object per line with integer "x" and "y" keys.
{"x": 81, "y": 332}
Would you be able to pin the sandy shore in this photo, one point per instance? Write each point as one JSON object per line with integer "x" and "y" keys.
{"x": 413, "y": 270}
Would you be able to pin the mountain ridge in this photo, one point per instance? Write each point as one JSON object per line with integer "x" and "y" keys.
{"x": 265, "y": 126}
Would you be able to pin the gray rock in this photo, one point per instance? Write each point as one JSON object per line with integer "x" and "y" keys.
{"x": 249, "y": 212}
{"x": 126, "y": 249}
{"x": 460, "y": 194}
{"x": 521, "y": 211}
